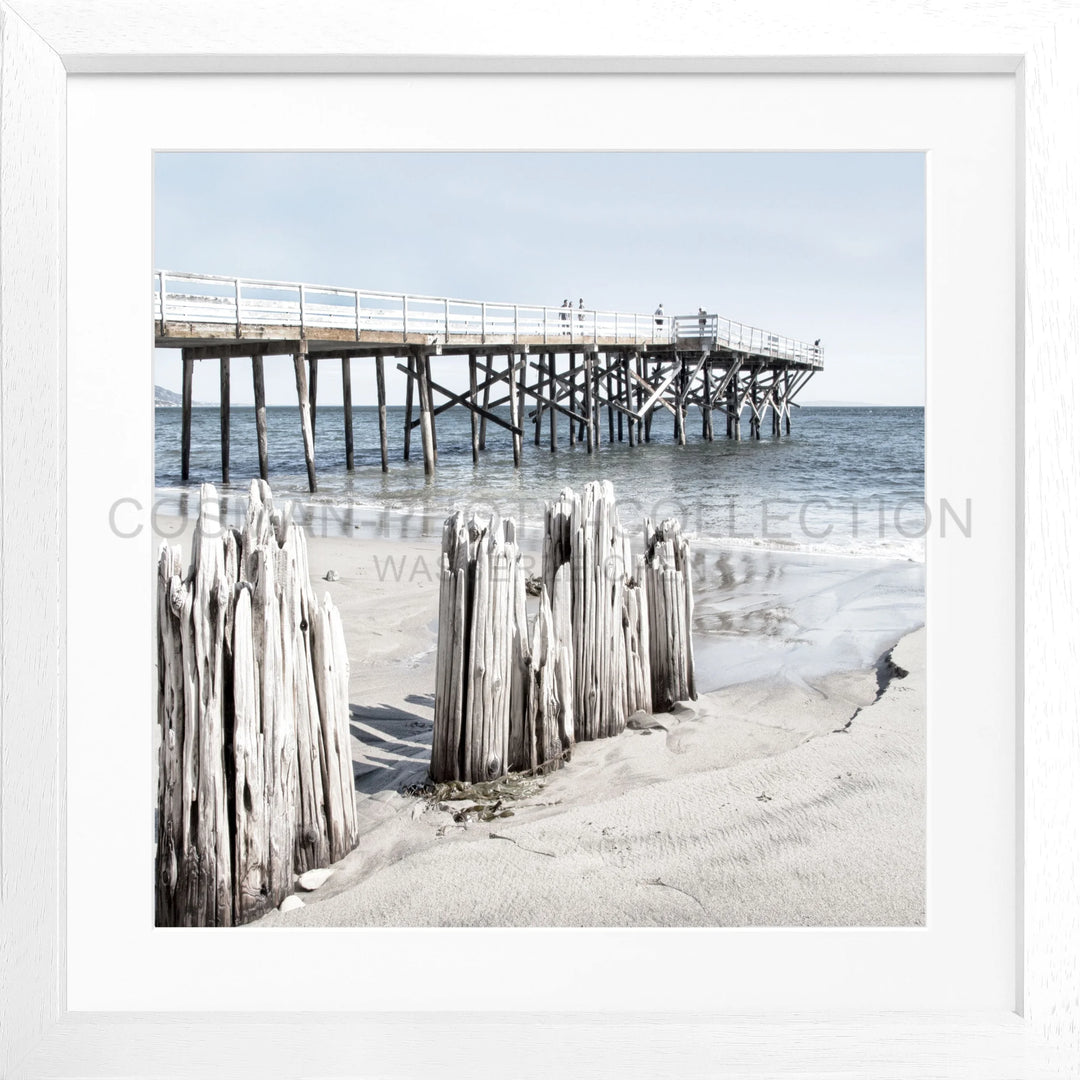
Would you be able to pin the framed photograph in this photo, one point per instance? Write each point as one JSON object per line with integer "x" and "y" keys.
{"x": 779, "y": 780}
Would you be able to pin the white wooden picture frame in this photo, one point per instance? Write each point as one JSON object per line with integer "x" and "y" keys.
{"x": 41, "y": 44}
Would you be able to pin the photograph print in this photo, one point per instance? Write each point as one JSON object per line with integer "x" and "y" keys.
{"x": 540, "y": 539}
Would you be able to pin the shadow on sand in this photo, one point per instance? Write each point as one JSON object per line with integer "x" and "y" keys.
{"x": 395, "y": 744}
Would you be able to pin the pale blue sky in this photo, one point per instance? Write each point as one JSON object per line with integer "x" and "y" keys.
{"x": 804, "y": 245}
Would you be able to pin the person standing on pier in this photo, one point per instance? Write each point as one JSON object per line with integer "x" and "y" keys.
{"x": 659, "y": 316}
{"x": 581, "y": 309}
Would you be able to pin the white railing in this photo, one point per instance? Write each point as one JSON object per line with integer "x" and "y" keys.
{"x": 239, "y": 302}
{"x": 710, "y": 331}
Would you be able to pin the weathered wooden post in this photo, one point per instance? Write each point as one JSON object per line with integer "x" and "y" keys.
{"x": 346, "y": 400}
{"x": 431, "y": 404}
{"x": 610, "y": 398}
{"x": 553, "y": 431}
{"x": 423, "y": 390}
{"x": 259, "y": 388}
{"x": 410, "y": 378}
{"x": 185, "y": 417}
{"x": 706, "y": 403}
{"x": 225, "y": 396}
{"x": 305, "y": 413}
{"x": 479, "y": 651}
{"x": 541, "y": 380}
{"x": 255, "y": 777}
{"x": 665, "y": 572}
{"x": 489, "y": 378}
{"x": 380, "y": 393}
{"x": 313, "y": 390}
{"x": 472, "y": 409}
{"x": 515, "y": 413}
{"x": 571, "y": 376}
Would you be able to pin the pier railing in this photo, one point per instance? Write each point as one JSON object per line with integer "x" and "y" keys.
{"x": 204, "y": 298}
{"x": 712, "y": 331}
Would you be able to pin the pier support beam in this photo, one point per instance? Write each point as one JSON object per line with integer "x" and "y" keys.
{"x": 426, "y": 425}
{"x": 346, "y": 400}
{"x": 787, "y": 402}
{"x": 590, "y": 410}
{"x": 553, "y": 430}
{"x": 515, "y": 410}
{"x": 380, "y": 390}
{"x": 259, "y": 388}
{"x": 680, "y": 403}
{"x": 410, "y": 377}
{"x": 225, "y": 402}
{"x": 610, "y": 410}
{"x": 313, "y": 390}
{"x": 185, "y": 419}
{"x": 706, "y": 403}
{"x": 541, "y": 379}
{"x": 473, "y": 418}
{"x": 639, "y": 395}
{"x": 489, "y": 374}
{"x": 571, "y": 374}
{"x": 431, "y": 405}
{"x": 305, "y": 413}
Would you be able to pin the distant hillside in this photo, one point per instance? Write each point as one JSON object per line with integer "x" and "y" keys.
{"x": 170, "y": 398}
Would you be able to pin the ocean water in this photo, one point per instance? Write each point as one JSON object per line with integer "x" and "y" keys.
{"x": 847, "y": 480}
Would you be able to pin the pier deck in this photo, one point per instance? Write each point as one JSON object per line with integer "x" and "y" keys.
{"x": 541, "y": 361}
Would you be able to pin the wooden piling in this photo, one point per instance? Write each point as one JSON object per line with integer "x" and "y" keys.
{"x": 380, "y": 391}
{"x": 305, "y": 414}
{"x": 313, "y": 389}
{"x": 603, "y": 644}
{"x": 666, "y": 575}
{"x": 225, "y": 395}
{"x": 259, "y": 388}
{"x": 410, "y": 377}
{"x": 431, "y": 405}
{"x": 553, "y": 431}
{"x": 515, "y": 414}
{"x": 679, "y": 432}
{"x": 541, "y": 380}
{"x": 489, "y": 375}
{"x": 590, "y": 410}
{"x": 346, "y": 399}
{"x": 473, "y": 425}
{"x": 706, "y": 403}
{"x": 787, "y": 402}
{"x": 522, "y": 387}
{"x": 426, "y": 425}
{"x": 610, "y": 410}
{"x": 571, "y": 375}
{"x": 185, "y": 419}
{"x": 255, "y": 778}
{"x": 639, "y": 394}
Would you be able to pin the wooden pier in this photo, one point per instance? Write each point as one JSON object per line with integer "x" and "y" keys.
{"x": 554, "y": 364}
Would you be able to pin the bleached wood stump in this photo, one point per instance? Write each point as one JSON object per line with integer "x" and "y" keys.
{"x": 603, "y": 644}
{"x": 666, "y": 576}
{"x": 255, "y": 770}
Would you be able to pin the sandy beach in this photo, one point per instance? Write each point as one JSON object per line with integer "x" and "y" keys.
{"x": 784, "y": 801}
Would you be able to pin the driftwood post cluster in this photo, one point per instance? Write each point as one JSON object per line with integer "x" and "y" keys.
{"x": 611, "y": 636}
{"x": 255, "y": 780}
